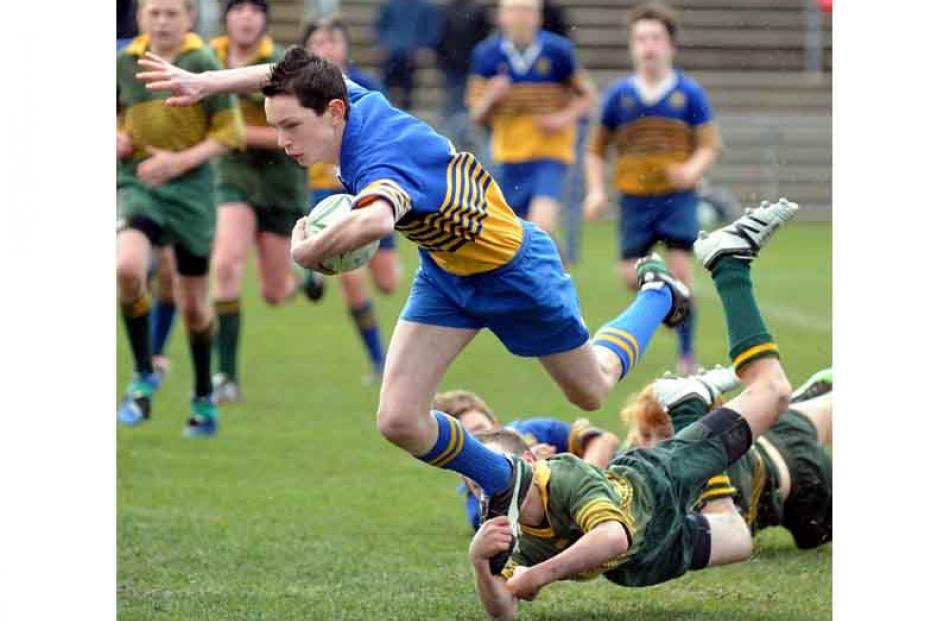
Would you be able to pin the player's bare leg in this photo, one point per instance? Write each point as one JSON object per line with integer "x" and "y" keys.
{"x": 386, "y": 270}
{"x": 278, "y": 283}
{"x": 233, "y": 239}
{"x": 818, "y": 410}
{"x": 419, "y": 355}
{"x": 133, "y": 252}
{"x": 544, "y": 211}
{"x": 588, "y": 373}
{"x": 163, "y": 308}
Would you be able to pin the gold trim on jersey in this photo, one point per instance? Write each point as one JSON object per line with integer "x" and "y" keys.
{"x": 265, "y": 49}
{"x": 388, "y": 190}
{"x": 758, "y": 486}
{"x": 578, "y": 429}
{"x": 474, "y": 229}
{"x": 323, "y": 177}
{"x": 542, "y": 477}
{"x": 139, "y": 45}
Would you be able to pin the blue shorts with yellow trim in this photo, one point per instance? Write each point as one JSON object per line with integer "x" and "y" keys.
{"x": 530, "y": 303}
{"x": 668, "y": 218}
{"x": 521, "y": 182}
{"x": 386, "y": 243}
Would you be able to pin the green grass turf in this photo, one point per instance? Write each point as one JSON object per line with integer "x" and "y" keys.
{"x": 299, "y": 510}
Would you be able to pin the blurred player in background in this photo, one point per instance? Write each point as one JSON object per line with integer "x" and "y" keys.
{"x": 526, "y": 85}
{"x": 329, "y": 38}
{"x": 165, "y": 197}
{"x": 661, "y": 125}
{"x": 544, "y": 436}
{"x": 260, "y": 194}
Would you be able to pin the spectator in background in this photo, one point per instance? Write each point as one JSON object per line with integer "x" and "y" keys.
{"x": 464, "y": 24}
{"x": 402, "y": 28}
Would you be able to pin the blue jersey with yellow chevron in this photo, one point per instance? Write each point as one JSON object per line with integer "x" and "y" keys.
{"x": 649, "y": 136}
{"x": 444, "y": 201}
{"x": 543, "y": 78}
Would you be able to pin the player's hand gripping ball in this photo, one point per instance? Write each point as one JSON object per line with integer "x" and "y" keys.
{"x": 328, "y": 211}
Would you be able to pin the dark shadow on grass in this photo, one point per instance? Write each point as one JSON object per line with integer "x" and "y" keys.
{"x": 790, "y": 553}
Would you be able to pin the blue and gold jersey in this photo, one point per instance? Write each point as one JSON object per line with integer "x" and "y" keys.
{"x": 650, "y": 136}
{"x": 444, "y": 202}
{"x": 543, "y": 80}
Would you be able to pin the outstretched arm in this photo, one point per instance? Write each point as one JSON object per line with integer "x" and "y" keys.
{"x": 493, "y": 537}
{"x": 604, "y": 542}
{"x": 189, "y": 88}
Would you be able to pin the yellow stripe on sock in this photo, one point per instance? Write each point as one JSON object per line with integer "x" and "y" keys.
{"x": 744, "y": 357}
{"x": 137, "y": 308}
{"x": 454, "y": 446}
{"x": 625, "y": 335}
{"x": 719, "y": 479}
{"x": 223, "y": 307}
{"x": 617, "y": 341}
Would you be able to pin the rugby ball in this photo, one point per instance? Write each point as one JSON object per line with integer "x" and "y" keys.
{"x": 328, "y": 211}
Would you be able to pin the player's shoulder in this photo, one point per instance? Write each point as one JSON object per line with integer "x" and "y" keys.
{"x": 553, "y": 42}
{"x": 362, "y": 78}
{"x": 195, "y": 55}
{"x": 616, "y": 89}
{"x": 270, "y": 51}
{"x": 689, "y": 85}
{"x": 489, "y": 46}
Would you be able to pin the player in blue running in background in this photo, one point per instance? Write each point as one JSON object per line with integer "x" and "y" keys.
{"x": 481, "y": 266}
{"x": 661, "y": 125}
{"x": 526, "y": 85}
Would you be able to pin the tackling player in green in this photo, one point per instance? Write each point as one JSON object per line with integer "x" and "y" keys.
{"x": 165, "y": 190}
{"x": 634, "y": 521}
{"x": 785, "y": 478}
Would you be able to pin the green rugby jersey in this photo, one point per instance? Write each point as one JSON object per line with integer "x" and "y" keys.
{"x": 150, "y": 123}
{"x": 263, "y": 177}
{"x": 578, "y": 496}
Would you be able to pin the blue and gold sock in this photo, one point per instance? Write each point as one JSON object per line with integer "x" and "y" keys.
{"x": 459, "y": 451}
{"x": 365, "y": 319}
{"x": 628, "y": 336}
{"x": 162, "y": 320}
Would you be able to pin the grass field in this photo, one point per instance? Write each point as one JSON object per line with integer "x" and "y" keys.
{"x": 299, "y": 510}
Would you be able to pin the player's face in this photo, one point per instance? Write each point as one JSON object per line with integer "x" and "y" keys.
{"x": 245, "y": 23}
{"x": 303, "y": 134}
{"x": 330, "y": 44}
{"x": 650, "y": 45}
{"x": 520, "y": 21}
{"x": 475, "y": 421}
{"x": 649, "y": 436}
{"x": 166, "y": 22}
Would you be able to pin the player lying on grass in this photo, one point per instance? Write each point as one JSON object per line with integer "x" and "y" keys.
{"x": 544, "y": 436}
{"x": 784, "y": 479}
{"x": 634, "y": 521}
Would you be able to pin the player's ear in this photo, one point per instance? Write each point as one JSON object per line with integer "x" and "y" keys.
{"x": 529, "y": 457}
{"x": 337, "y": 108}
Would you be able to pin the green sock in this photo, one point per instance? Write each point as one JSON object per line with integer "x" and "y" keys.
{"x": 229, "y": 328}
{"x": 135, "y": 315}
{"x": 200, "y": 345}
{"x": 749, "y": 338}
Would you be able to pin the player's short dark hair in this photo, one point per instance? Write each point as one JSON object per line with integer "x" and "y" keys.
{"x": 325, "y": 23}
{"x": 659, "y": 12}
{"x": 458, "y": 402}
{"x": 314, "y": 81}
{"x": 507, "y": 440}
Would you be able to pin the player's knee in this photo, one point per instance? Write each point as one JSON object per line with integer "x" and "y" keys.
{"x": 227, "y": 273}
{"x": 130, "y": 277}
{"x": 585, "y": 399}
{"x": 395, "y": 428}
{"x": 386, "y": 282}
{"x": 195, "y": 314}
{"x": 274, "y": 294}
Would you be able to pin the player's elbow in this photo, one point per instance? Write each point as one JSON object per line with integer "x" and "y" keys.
{"x": 615, "y": 537}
